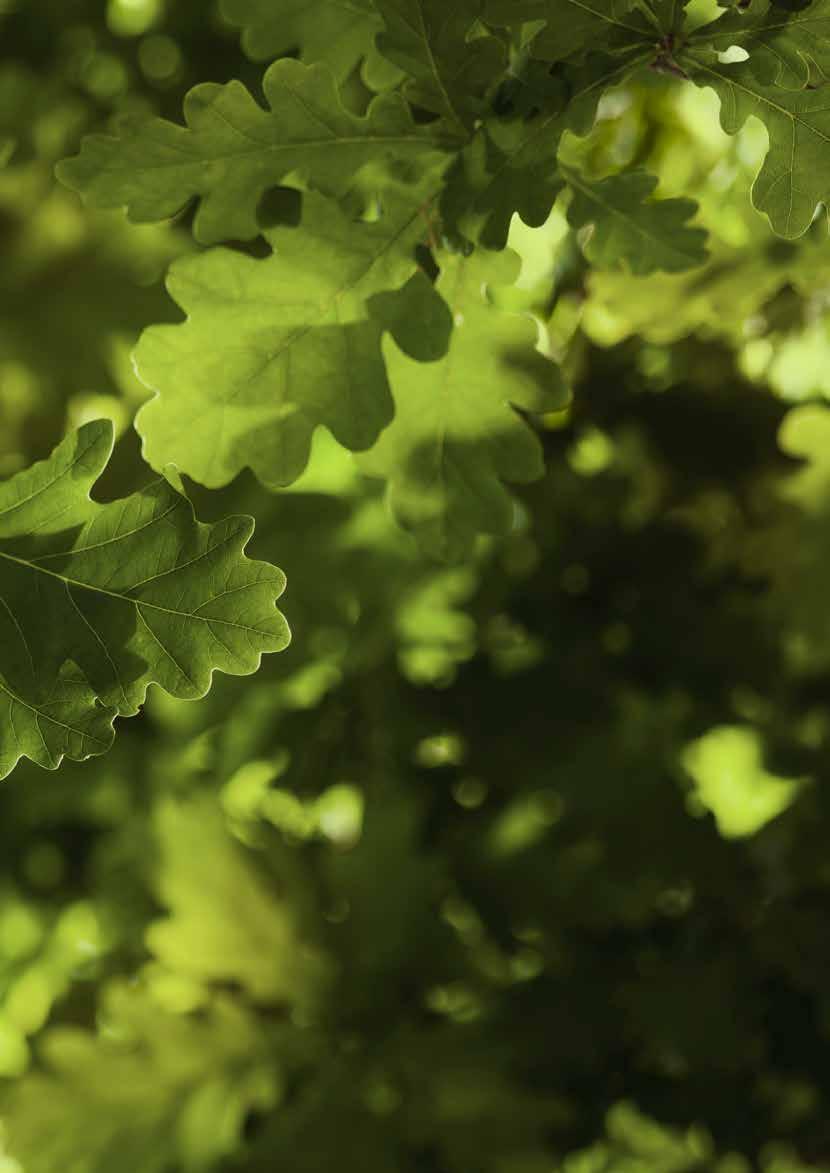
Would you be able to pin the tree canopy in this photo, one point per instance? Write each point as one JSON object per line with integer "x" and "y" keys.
{"x": 414, "y": 499}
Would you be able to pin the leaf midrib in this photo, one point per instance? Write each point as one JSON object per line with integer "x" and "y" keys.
{"x": 443, "y": 143}
{"x": 137, "y": 603}
{"x": 53, "y": 720}
{"x": 759, "y": 30}
{"x": 386, "y": 246}
{"x": 592, "y": 196}
{"x": 607, "y": 19}
{"x": 549, "y": 119}
{"x": 764, "y": 100}
{"x": 50, "y": 484}
{"x": 423, "y": 34}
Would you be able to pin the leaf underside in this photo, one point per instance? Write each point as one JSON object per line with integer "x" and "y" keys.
{"x": 97, "y": 602}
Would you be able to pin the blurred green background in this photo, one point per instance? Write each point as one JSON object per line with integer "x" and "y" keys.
{"x": 518, "y": 866}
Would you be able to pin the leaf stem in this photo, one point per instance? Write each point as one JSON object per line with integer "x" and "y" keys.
{"x": 650, "y": 12}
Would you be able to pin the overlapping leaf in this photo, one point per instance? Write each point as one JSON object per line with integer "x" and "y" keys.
{"x": 782, "y": 44}
{"x": 337, "y": 33}
{"x": 232, "y": 151}
{"x": 795, "y": 176}
{"x": 629, "y": 230}
{"x": 510, "y": 165}
{"x": 225, "y": 922}
{"x": 456, "y": 435}
{"x": 575, "y": 26}
{"x": 155, "y": 1092}
{"x": 428, "y": 40}
{"x": 489, "y": 183}
{"x": 273, "y": 348}
{"x": 99, "y": 601}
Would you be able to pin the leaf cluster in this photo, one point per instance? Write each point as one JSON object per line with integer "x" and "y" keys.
{"x": 514, "y": 860}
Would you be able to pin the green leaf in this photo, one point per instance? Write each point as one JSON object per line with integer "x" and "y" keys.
{"x": 232, "y": 151}
{"x": 226, "y": 922}
{"x": 791, "y": 552}
{"x": 273, "y": 348}
{"x": 99, "y": 601}
{"x": 428, "y": 39}
{"x": 510, "y": 165}
{"x": 637, "y": 1144}
{"x": 727, "y": 767}
{"x": 456, "y": 434}
{"x": 576, "y": 26}
{"x": 337, "y": 33}
{"x": 795, "y": 176}
{"x": 629, "y": 230}
{"x": 157, "y": 1091}
{"x": 782, "y": 45}
{"x": 416, "y": 316}
{"x": 489, "y": 184}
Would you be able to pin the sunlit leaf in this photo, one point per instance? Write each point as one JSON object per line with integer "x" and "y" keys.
{"x": 273, "y": 348}
{"x": 231, "y": 151}
{"x": 630, "y": 231}
{"x": 225, "y": 922}
{"x": 457, "y": 435}
{"x": 782, "y": 44}
{"x": 795, "y": 176}
{"x": 161, "y": 1089}
{"x": 730, "y": 780}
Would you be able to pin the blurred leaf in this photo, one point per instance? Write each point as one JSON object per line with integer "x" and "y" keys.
{"x": 636, "y": 1144}
{"x": 328, "y": 31}
{"x": 226, "y": 923}
{"x": 273, "y": 348}
{"x": 730, "y": 780}
{"x": 152, "y": 1090}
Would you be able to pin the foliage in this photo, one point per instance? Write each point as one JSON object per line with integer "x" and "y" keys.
{"x": 130, "y": 593}
{"x": 507, "y": 322}
{"x": 279, "y": 372}
{"x": 454, "y": 437}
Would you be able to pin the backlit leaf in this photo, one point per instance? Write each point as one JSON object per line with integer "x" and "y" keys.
{"x": 155, "y": 1091}
{"x": 456, "y": 435}
{"x": 99, "y": 601}
{"x": 225, "y": 922}
{"x": 273, "y": 348}
{"x": 231, "y": 151}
